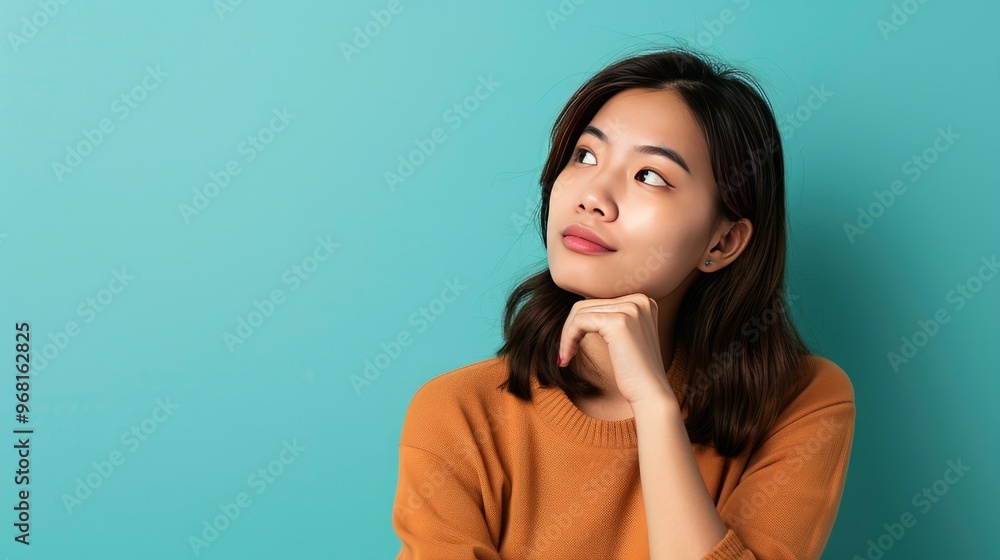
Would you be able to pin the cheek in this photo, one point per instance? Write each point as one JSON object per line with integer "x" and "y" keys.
{"x": 557, "y": 188}
{"x": 664, "y": 257}
{"x": 569, "y": 178}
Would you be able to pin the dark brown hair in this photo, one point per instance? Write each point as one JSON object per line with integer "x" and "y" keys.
{"x": 744, "y": 355}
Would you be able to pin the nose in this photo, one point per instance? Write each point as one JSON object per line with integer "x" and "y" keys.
{"x": 598, "y": 200}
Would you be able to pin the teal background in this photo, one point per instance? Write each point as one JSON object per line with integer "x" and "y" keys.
{"x": 466, "y": 213}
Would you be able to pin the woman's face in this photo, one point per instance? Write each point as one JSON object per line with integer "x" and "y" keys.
{"x": 656, "y": 212}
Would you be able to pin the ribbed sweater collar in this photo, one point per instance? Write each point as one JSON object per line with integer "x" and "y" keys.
{"x": 559, "y": 412}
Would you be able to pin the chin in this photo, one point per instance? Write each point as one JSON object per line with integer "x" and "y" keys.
{"x": 590, "y": 290}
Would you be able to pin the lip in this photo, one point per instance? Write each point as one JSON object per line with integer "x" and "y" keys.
{"x": 596, "y": 242}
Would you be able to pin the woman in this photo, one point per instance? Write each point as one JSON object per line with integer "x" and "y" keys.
{"x": 652, "y": 398}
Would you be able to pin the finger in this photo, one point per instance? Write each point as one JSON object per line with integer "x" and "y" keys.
{"x": 600, "y": 319}
{"x": 645, "y": 303}
{"x": 577, "y": 306}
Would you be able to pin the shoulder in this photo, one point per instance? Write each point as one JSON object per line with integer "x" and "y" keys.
{"x": 469, "y": 384}
{"x": 455, "y": 405}
{"x": 829, "y": 391}
{"x": 830, "y": 383}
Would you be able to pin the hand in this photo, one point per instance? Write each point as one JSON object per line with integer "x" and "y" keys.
{"x": 629, "y": 325}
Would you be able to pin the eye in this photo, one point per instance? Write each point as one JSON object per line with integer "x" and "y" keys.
{"x": 584, "y": 152}
{"x": 579, "y": 152}
{"x": 654, "y": 174}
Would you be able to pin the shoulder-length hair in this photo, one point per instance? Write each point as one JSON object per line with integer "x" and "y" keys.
{"x": 743, "y": 354}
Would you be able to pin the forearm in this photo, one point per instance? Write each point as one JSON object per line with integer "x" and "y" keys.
{"x": 681, "y": 518}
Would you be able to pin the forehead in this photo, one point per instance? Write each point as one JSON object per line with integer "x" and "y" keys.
{"x": 657, "y": 117}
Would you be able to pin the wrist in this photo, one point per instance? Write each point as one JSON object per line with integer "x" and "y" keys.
{"x": 661, "y": 401}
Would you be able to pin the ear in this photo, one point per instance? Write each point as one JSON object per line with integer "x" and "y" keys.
{"x": 730, "y": 240}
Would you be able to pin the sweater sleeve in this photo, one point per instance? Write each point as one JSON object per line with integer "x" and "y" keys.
{"x": 440, "y": 507}
{"x": 436, "y": 513}
{"x": 787, "y": 499}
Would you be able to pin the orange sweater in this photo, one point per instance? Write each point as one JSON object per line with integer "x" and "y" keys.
{"x": 483, "y": 475}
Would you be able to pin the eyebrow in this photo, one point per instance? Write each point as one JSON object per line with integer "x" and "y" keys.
{"x": 651, "y": 150}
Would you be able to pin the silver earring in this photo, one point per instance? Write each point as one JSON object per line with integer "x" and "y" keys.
{"x": 708, "y": 263}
